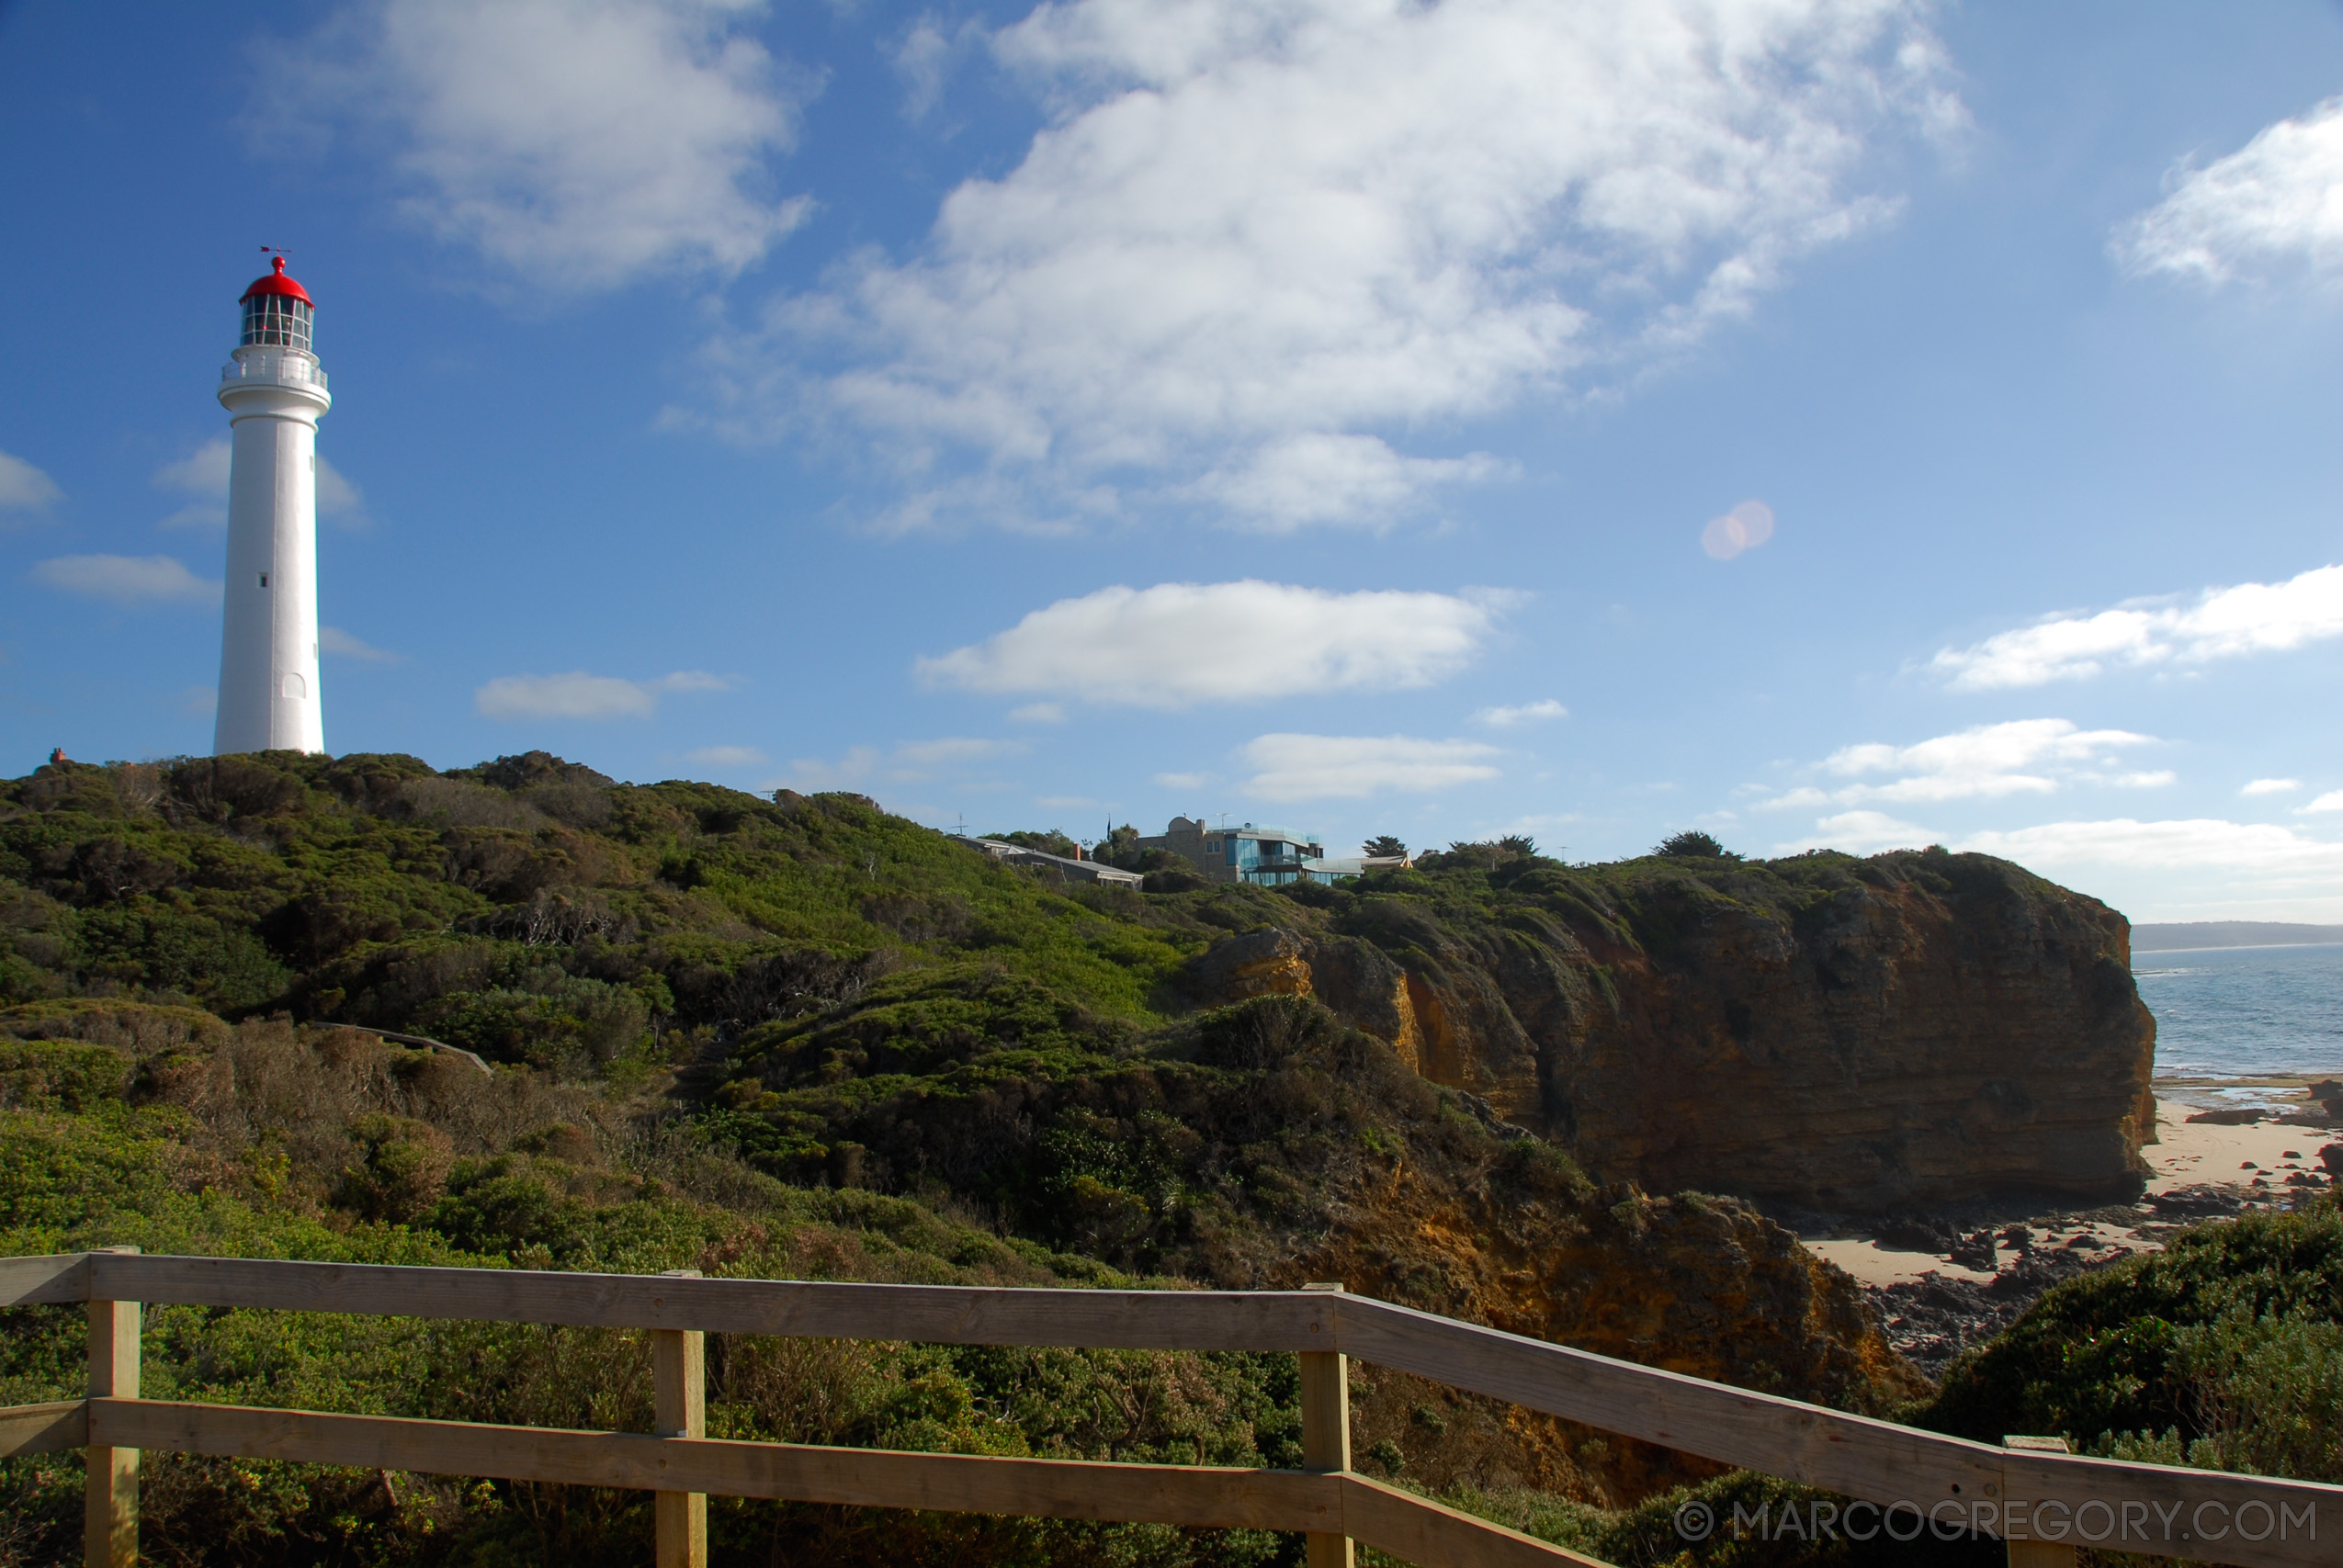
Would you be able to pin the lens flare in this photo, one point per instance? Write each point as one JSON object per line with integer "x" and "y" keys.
{"x": 1745, "y": 527}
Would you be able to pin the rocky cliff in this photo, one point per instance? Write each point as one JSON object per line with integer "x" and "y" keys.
{"x": 1847, "y": 1034}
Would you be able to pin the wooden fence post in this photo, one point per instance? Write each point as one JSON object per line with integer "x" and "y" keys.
{"x": 2038, "y": 1553}
{"x": 1326, "y": 1435}
{"x": 110, "y": 1494}
{"x": 679, "y": 1366}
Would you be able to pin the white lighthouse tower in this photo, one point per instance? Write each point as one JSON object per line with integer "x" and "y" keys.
{"x": 273, "y": 392}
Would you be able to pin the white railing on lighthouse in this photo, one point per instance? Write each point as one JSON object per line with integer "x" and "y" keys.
{"x": 292, "y": 368}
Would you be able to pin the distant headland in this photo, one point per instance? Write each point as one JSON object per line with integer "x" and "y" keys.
{"x": 2173, "y": 938}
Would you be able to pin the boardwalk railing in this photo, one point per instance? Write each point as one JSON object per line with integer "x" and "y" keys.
{"x": 2042, "y": 1502}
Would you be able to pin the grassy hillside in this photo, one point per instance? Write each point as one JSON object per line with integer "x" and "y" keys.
{"x": 791, "y": 1037}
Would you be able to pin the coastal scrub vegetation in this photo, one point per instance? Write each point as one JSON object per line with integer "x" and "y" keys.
{"x": 2223, "y": 1351}
{"x": 797, "y": 1037}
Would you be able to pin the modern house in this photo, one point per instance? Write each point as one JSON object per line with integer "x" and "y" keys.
{"x": 1071, "y": 869}
{"x": 1266, "y": 857}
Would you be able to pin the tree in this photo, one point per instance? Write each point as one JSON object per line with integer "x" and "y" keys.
{"x": 1465, "y": 852}
{"x": 1383, "y": 846}
{"x": 1120, "y": 848}
{"x": 1486, "y": 853}
{"x": 1051, "y": 841}
{"x": 1693, "y": 844}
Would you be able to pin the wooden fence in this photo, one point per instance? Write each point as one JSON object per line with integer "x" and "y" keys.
{"x": 2043, "y": 1501}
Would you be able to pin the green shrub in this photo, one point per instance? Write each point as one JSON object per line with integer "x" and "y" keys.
{"x": 2128, "y": 1349}
{"x": 399, "y": 1170}
{"x": 2266, "y": 1395}
{"x": 2223, "y": 1350}
{"x": 60, "y": 1074}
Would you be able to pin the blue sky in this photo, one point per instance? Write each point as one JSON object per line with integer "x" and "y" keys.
{"x": 1821, "y": 421}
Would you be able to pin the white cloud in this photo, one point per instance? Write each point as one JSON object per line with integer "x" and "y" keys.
{"x": 578, "y": 694}
{"x": 727, "y": 757}
{"x": 1528, "y": 712}
{"x": 2200, "y": 868}
{"x": 2194, "y": 844}
{"x": 334, "y": 641}
{"x": 812, "y": 774}
{"x": 2208, "y": 844}
{"x": 1323, "y": 767}
{"x": 2331, "y": 801}
{"x": 126, "y": 580}
{"x": 1745, "y": 527}
{"x": 910, "y": 761}
{"x": 1860, "y": 833}
{"x": 1039, "y": 713}
{"x": 24, "y": 488}
{"x": 1063, "y": 802}
{"x": 2031, "y": 756}
{"x": 2272, "y": 786}
{"x": 338, "y": 501}
{"x": 203, "y": 475}
{"x": 574, "y": 695}
{"x": 1255, "y": 240}
{"x": 925, "y": 59}
{"x": 1304, "y": 479}
{"x": 578, "y": 145}
{"x": 2274, "y": 205}
{"x": 1184, "y": 781}
{"x": 203, "y": 471}
{"x": 1181, "y": 643}
{"x": 2220, "y": 623}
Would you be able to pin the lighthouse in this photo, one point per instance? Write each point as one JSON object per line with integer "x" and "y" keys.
{"x": 273, "y": 392}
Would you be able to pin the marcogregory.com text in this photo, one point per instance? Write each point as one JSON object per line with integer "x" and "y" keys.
{"x": 2093, "y": 1523}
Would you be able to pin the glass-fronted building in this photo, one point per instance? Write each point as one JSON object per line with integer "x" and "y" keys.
{"x": 1265, "y": 857}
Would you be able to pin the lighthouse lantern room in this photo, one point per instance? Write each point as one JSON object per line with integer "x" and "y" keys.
{"x": 275, "y": 394}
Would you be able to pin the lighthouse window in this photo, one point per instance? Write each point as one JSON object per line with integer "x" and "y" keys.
{"x": 275, "y": 321}
{"x": 264, "y": 580}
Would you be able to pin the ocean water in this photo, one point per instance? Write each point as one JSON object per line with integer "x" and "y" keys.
{"x": 2244, "y": 1011}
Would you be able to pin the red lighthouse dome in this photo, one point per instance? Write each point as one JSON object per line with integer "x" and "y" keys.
{"x": 277, "y": 313}
{"x": 279, "y": 282}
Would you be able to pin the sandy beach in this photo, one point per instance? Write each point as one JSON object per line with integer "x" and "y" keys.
{"x": 2189, "y": 1154}
{"x": 1933, "y": 1308}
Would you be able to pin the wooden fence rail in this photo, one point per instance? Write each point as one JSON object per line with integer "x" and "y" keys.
{"x": 2041, "y": 1501}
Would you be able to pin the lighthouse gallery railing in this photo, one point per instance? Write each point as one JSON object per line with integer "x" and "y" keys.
{"x": 262, "y": 365}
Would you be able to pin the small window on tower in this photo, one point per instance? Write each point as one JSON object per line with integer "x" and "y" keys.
{"x": 264, "y": 580}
